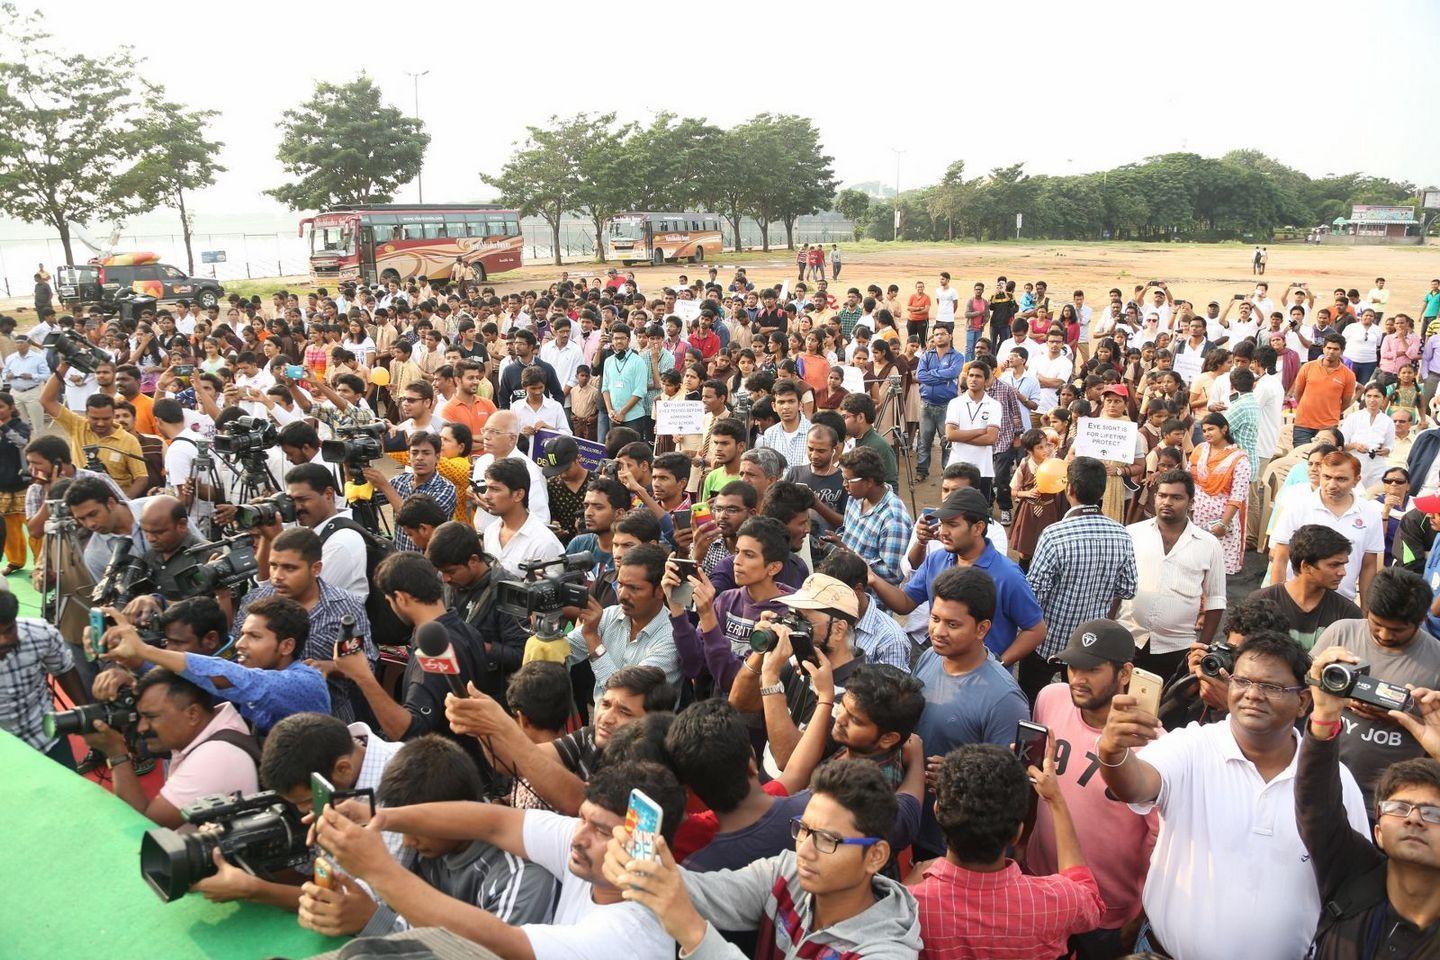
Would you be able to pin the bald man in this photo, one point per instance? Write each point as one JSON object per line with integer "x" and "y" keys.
{"x": 167, "y": 535}
{"x": 497, "y": 438}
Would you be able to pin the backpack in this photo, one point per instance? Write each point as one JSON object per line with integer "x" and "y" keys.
{"x": 244, "y": 741}
{"x": 383, "y": 621}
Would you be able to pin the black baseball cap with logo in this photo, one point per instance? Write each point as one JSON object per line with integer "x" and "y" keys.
{"x": 560, "y": 452}
{"x": 1095, "y": 642}
{"x": 963, "y": 501}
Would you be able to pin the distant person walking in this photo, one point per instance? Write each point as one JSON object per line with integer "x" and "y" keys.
{"x": 834, "y": 261}
{"x": 44, "y": 296}
{"x": 1255, "y": 262}
{"x": 802, "y": 258}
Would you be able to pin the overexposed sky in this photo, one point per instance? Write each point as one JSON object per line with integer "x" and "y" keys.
{"x": 1067, "y": 87}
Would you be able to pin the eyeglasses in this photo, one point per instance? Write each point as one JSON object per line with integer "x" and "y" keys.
{"x": 1429, "y": 812}
{"x": 727, "y": 510}
{"x": 825, "y": 841}
{"x": 1270, "y": 691}
{"x": 1389, "y": 480}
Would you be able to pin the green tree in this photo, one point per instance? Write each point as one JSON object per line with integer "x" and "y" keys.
{"x": 68, "y": 130}
{"x": 178, "y": 157}
{"x": 669, "y": 162}
{"x": 853, "y": 205}
{"x": 542, "y": 178}
{"x": 606, "y": 179}
{"x": 344, "y": 145}
{"x": 804, "y": 183}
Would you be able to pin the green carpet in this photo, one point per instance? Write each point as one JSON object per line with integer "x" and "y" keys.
{"x": 70, "y": 866}
{"x": 18, "y": 583}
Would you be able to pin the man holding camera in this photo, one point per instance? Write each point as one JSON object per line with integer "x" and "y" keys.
{"x": 314, "y": 490}
{"x": 158, "y": 529}
{"x": 31, "y": 649}
{"x": 635, "y": 632}
{"x": 468, "y": 573}
{"x": 117, "y": 451}
{"x": 420, "y": 478}
{"x": 209, "y": 746}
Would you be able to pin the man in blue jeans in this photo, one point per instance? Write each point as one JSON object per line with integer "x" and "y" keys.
{"x": 939, "y": 376}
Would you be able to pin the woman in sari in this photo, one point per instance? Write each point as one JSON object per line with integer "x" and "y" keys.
{"x": 1222, "y": 486}
{"x": 884, "y": 364}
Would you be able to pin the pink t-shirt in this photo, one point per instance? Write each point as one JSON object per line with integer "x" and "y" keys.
{"x": 1115, "y": 841}
{"x": 208, "y": 767}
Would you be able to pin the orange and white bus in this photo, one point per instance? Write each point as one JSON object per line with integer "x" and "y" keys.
{"x": 382, "y": 242}
{"x": 658, "y": 237}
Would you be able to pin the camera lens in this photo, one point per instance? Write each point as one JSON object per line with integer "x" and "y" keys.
{"x": 171, "y": 862}
{"x": 1337, "y": 678}
{"x": 763, "y": 639}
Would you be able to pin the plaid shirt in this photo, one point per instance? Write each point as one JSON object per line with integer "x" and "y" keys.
{"x": 1082, "y": 564}
{"x": 848, "y": 317}
{"x": 1013, "y": 423}
{"x": 792, "y": 448}
{"x": 1244, "y": 417}
{"x": 333, "y": 417}
{"x": 881, "y": 535}
{"x": 24, "y": 698}
{"x": 437, "y": 486}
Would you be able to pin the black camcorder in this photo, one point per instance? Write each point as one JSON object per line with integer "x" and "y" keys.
{"x": 356, "y": 446}
{"x": 1353, "y": 681}
{"x": 125, "y": 577}
{"x": 72, "y": 348}
{"x": 247, "y": 435}
{"x": 1217, "y": 657}
{"x": 546, "y": 589}
{"x": 261, "y": 833}
{"x": 280, "y": 507}
{"x": 119, "y": 714}
{"x": 233, "y": 567}
{"x": 802, "y": 640}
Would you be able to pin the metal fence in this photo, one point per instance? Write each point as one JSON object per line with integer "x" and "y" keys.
{"x": 262, "y": 255}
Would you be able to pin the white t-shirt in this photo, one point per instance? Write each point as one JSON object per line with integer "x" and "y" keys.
{"x": 1028, "y": 387}
{"x": 539, "y": 500}
{"x": 342, "y": 559}
{"x": 1377, "y": 434}
{"x": 1360, "y": 524}
{"x": 1362, "y": 343}
{"x": 968, "y": 414}
{"x": 1270, "y": 398}
{"x": 1243, "y": 330}
{"x": 946, "y": 299}
{"x": 583, "y": 929}
{"x": 262, "y": 380}
{"x": 1055, "y": 368}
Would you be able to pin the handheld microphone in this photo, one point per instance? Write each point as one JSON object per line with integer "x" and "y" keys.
{"x": 436, "y": 655}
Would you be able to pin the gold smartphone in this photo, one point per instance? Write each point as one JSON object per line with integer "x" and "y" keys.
{"x": 1145, "y": 687}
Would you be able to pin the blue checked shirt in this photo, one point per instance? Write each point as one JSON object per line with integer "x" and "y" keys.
{"x": 263, "y": 697}
{"x": 1082, "y": 565}
{"x": 791, "y": 447}
{"x": 437, "y": 486}
{"x": 24, "y": 697}
{"x": 881, "y": 535}
{"x": 881, "y": 638}
{"x": 1244, "y": 418}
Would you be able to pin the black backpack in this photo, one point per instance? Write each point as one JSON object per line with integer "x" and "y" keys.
{"x": 383, "y": 621}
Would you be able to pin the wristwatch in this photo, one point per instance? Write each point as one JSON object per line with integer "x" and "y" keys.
{"x": 598, "y": 652}
{"x": 772, "y": 690}
{"x": 113, "y": 762}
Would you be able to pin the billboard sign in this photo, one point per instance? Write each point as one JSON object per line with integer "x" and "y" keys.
{"x": 1371, "y": 213}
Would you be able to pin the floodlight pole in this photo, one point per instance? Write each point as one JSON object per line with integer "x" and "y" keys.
{"x": 415, "y": 79}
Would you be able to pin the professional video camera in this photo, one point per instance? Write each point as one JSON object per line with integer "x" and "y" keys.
{"x": 118, "y": 714}
{"x": 125, "y": 578}
{"x": 247, "y": 435}
{"x": 262, "y": 833}
{"x": 280, "y": 507}
{"x": 358, "y": 446}
{"x": 1218, "y": 656}
{"x": 75, "y": 350}
{"x": 546, "y": 593}
{"x": 1353, "y": 680}
{"x": 234, "y": 567}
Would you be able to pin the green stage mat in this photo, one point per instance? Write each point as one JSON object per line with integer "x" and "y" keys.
{"x": 70, "y": 867}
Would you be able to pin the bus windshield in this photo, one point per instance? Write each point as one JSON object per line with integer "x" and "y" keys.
{"x": 627, "y": 227}
{"x": 333, "y": 239}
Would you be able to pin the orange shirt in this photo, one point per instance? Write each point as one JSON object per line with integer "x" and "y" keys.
{"x": 1322, "y": 393}
{"x": 144, "y": 414}
{"x": 919, "y": 307}
{"x": 473, "y": 415}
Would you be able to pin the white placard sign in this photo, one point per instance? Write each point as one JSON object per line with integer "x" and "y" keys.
{"x": 679, "y": 417}
{"x": 1106, "y": 439}
{"x": 687, "y": 310}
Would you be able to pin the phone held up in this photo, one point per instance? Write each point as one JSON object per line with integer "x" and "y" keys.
{"x": 643, "y": 819}
{"x": 322, "y": 795}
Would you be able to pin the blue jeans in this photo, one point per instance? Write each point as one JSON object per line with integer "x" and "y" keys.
{"x": 1363, "y": 372}
{"x": 1303, "y": 435}
{"x": 970, "y": 337}
{"x": 602, "y": 422}
{"x": 932, "y": 423}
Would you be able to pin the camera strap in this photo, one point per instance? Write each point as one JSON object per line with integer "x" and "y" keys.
{"x": 236, "y": 738}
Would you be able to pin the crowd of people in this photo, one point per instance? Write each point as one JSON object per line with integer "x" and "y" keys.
{"x": 1028, "y": 717}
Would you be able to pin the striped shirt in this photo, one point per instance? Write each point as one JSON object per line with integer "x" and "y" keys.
{"x": 1082, "y": 565}
{"x": 24, "y": 697}
{"x": 880, "y": 535}
{"x": 437, "y": 486}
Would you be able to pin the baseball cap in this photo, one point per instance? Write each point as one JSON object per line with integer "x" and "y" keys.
{"x": 1095, "y": 642}
{"x": 1119, "y": 389}
{"x": 1428, "y": 504}
{"x": 559, "y": 454}
{"x": 962, "y": 501}
{"x": 822, "y": 592}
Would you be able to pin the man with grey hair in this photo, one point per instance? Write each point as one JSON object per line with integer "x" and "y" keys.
{"x": 761, "y": 467}
{"x": 498, "y": 438}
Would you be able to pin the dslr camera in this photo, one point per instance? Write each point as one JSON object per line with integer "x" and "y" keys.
{"x": 763, "y": 638}
{"x": 75, "y": 350}
{"x": 356, "y": 446}
{"x": 262, "y": 833}
{"x": 247, "y": 435}
{"x": 549, "y": 586}
{"x": 233, "y": 568}
{"x": 280, "y": 507}
{"x": 1217, "y": 657}
{"x": 1353, "y": 681}
{"x": 118, "y": 714}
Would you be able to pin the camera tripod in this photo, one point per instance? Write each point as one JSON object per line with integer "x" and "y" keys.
{"x": 204, "y": 474}
{"x": 66, "y": 582}
{"x": 895, "y": 434}
{"x": 364, "y": 502}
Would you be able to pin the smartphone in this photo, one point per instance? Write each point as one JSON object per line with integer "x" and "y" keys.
{"x": 643, "y": 820}
{"x": 1145, "y": 687}
{"x": 929, "y": 515}
{"x": 700, "y": 513}
{"x": 294, "y": 371}
{"x": 804, "y": 649}
{"x": 1239, "y": 296}
{"x": 97, "y": 634}
{"x": 684, "y": 593}
{"x": 681, "y": 519}
{"x": 1030, "y": 742}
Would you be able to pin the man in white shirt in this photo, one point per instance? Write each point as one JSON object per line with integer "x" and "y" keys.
{"x": 1264, "y": 306}
{"x": 1336, "y": 506}
{"x": 563, "y": 353}
{"x": 537, "y": 411}
{"x": 1225, "y": 791}
{"x": 1018, "y": 376}
{"x": 972, "y": 425}
{"x": 499, "y": 437}
{"x": 27, "y": 372}
{"x": 1052, "y": 370}
{"x": 342, "y": 552}
{"x": 517, "y": 538}
{"x": 250, "y": 378}
{"x": 946, "y": 300}
{"x": 1243, "y": 327}
{"x": 1378, "y": 297}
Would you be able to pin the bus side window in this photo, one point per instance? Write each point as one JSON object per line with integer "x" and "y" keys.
{"x": 512, "y": 228}
{"x": 434, "y": 231}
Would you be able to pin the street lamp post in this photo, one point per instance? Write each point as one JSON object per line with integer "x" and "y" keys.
{"x": 898, "y": 154}
{"x": 415, "y": 79}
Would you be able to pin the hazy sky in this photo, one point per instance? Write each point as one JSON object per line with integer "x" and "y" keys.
{"x": 1064, "y": 86}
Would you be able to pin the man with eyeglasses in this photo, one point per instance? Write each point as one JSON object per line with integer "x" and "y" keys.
{"x": 499, "y": 436}
{"x": 417, "y": 403}
{"x": 1380, "y": 900}
{"x": 1224, "y": 793}
{"x": 825, "y": 896}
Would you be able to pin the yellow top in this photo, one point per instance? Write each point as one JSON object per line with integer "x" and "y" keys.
{"x": 124, "y": 470}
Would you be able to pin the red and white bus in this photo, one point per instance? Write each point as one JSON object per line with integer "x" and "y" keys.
{"x": 382, "y": 242}
{"x": 658, "y": 237}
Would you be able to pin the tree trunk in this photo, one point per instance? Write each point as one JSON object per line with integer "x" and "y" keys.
{"x": 790, "y": 232}
{"x": 185, "y": 230}
{"x": 555, "y": 240}
{"x": 734, "y": 221}
{"x": 62, "y": 226}
{"x": 599, "y": 238}
{"x": 764, "y": 233}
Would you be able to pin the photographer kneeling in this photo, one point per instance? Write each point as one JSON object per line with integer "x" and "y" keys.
{"x": 209, "y": 746}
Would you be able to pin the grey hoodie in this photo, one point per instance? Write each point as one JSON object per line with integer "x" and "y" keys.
{"x": 766, "y": 896}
